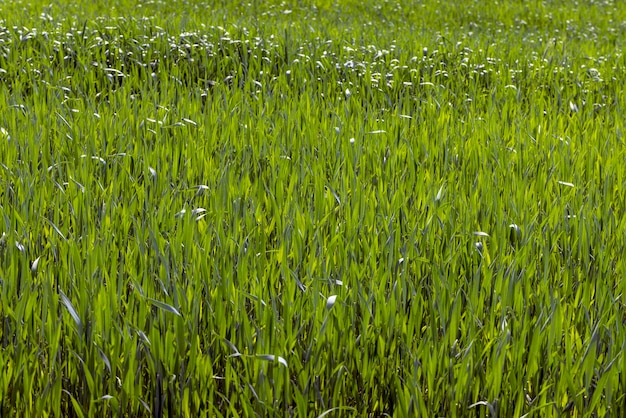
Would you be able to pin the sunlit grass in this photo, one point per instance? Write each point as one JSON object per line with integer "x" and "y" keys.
{"x": 312, "y": 208}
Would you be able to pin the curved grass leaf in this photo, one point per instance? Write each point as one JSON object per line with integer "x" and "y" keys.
{"x": 272, "y": 358}
{"x": 330, "y": 302}
{"x": 338, "y": 408}
{"x": 72, "y": 311}
{"x": 164, "y": 306}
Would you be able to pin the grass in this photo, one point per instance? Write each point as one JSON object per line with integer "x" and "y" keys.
{"x": 312, "y": 209}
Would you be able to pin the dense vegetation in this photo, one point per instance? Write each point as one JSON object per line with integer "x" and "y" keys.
{"x": 312, "y": 208}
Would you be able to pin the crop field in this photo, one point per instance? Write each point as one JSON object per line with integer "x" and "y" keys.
{"x": 312, "y": 208}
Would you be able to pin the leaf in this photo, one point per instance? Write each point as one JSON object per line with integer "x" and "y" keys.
{"x": 199, "y": 213}
{"x": 335, "y": 195}
{"x": 439, "y": 194}
{"x": 489, "y": 406}
{"x": 72, "y": 311}
{"x": 58, "y": 231}
{"x": 78, "y": 410}
{"x": 272, "y": 358}
{"x": 515, "y": 234}
{"x": 19, "y": 246}
{"x": 235, "y": 350}
{"x": 145, "y": 405}
{"x": 4, "y": 133}
{"x": 164, "y": 306}
{"x": 105, "y": 359}
{"x": 35, "y": 265}
{"x": 201, "y": 189}
{"x": 330, "y": 302}
{"x": 337, "y": 408}
{"x": 142, "y": 335}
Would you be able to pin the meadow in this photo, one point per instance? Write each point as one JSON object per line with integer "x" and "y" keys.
{"x": 312, "y": 208}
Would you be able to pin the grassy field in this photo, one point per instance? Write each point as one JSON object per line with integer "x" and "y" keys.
{"x": 312, "y": 208}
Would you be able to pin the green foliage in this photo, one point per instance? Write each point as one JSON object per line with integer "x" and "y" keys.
{"x": 312, "y": 208}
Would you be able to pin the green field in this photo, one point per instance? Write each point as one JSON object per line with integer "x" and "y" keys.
{"x": 312, "y": 208}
